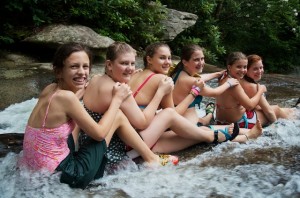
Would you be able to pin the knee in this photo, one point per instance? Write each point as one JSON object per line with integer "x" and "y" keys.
{"x": 169, "y": 111}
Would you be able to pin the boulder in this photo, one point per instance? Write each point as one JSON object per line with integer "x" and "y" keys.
{"x": 58, "y": 34}
{"x": 176, "y": 22}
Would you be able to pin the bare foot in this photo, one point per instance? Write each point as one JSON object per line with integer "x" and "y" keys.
{"x": 256, "y": 131}
{"x": 221, "y": 136}
{"x": 162, "y": 160}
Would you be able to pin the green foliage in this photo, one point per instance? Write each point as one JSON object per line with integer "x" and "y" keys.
{"x": 133, "y": 21}
{"x": 265, "y": 27}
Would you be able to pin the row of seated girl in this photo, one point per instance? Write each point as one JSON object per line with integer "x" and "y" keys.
{"x": 119, "y": 115}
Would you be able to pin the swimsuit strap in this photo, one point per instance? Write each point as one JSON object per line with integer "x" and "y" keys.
{"x": 46, "y": 115}
{"x": 177, "y": 75}
{"x": 142, "y": 85}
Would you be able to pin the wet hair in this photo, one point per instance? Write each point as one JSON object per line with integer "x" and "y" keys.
{"x": 235, "y": 56}
{"x": 252, "y": 59}
{"x": 186, "y": 54}
{"x": 151, "y": 50}
{"x": 64, "y": 51}
{"x": 117, "y": 48}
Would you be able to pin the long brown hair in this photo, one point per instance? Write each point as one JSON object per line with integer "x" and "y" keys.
{"x": 151, "y": 50}
{"x": 186, "y": 54}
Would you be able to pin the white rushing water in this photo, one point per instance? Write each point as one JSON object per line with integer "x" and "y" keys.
{"x": 266, "y": 167}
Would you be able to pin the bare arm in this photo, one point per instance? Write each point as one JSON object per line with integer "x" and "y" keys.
{"x": 210, "y": 76}
{"x": 249, "y": 103}
{"x": 76, "y": 111}
{"x": 267, "y": 109}
{"x": 214, "y": 92}
{"x": 190, "y": 82}
{"x": 141, "y": 119}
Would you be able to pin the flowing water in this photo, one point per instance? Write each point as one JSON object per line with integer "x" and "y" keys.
{"x": 266, "y": 167}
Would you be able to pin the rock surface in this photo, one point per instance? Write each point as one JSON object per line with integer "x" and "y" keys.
{"x": 177, "y": 22}
{"x": 55, "y": 35}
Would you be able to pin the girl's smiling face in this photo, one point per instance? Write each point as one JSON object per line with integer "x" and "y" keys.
{"x": 238, "y": 69}
{"x": 196, "y": 63}
{"x": 122, "y": 67}
{"x": 161, "y": 60}
{"x": 75, "y": 72}
{"x": 256, "y": 70}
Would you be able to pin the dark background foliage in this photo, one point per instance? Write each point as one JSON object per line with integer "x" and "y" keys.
{"x": 266, "y": 27}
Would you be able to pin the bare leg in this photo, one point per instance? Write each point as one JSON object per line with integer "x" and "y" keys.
{"x": 206, "y": 119}
{"x": 127, "y": 133}
{"x": 247, "y": 134}
{"x": 168, "y": 118}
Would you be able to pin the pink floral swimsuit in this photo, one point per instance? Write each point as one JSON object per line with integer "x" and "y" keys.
{"x": 46, "y": 148}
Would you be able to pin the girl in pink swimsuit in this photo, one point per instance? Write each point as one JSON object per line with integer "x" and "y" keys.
{"x": 48, "y": 143}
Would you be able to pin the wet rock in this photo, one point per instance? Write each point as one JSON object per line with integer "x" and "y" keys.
{"x": 10, "y": 142}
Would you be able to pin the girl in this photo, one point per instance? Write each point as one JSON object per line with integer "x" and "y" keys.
{"x": 234, "y": 105}
{"x": 192, "y": 63}
{"x": 48, "y": 143}
{"x": 255, "y": 70}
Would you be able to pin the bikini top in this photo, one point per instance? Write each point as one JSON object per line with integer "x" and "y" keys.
{"x": 197, "y": 100}
{"x": 143, "y": 84}
{"x": 140, "y": 87}
{"x": 45, "y": 148}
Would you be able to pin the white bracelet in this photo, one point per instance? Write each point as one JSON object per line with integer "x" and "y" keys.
{"x": 229, "y": 84}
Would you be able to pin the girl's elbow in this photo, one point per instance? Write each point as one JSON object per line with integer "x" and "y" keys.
{"x": 141, "y": 125}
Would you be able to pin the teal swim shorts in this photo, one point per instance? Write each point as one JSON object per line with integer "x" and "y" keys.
{"x": 81, "y": 167}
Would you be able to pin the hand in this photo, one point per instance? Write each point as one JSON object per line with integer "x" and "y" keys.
{"x": 166, "y": 85}
{"x": 232, "y": 82}
{"x": 137, "y": 71}
{"x": 220, "y": 73}
{"x": 199, "y": 83}
{"x": 121, "y": 90}
{"x": 263, "y": 88}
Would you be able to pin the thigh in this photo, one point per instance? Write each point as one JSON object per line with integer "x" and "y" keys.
{"x": 261, "y": 116}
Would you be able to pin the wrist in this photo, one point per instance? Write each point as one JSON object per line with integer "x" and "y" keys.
{"x": 193, "y": 94}
{"x": 117, "y": 101}
{"x": 230, "y": 85}
{"x": 195, "y": 91}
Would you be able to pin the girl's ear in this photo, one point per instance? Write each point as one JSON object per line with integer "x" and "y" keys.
{"x": 228, "y": 67}
{"x": 58, "y": 73}
{"x": 184, "y": 62}
{"x": 149, "y": 60}
{"x": 108, "y": 64}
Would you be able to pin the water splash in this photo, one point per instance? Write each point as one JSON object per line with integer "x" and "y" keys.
{"x": 266, "y": 167}
{"x": 13, "y": 119}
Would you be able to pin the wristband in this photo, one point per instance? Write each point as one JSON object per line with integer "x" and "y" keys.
{"x": 197, "y": 88}
{"x": 229, "y": 84}
{"x": 193, "y": 93}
